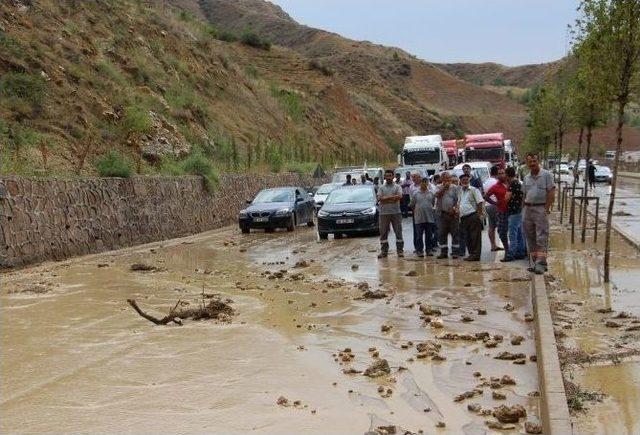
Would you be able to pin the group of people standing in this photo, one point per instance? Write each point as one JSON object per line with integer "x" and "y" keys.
{"x": 455, "y": 208}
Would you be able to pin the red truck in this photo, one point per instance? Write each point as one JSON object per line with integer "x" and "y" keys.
{"x": 451, "y": 147}
{"x": 485, "y": 148}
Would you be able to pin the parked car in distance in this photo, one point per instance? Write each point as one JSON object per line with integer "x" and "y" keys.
{"x": 563, "y": 168}
{"x": 349, "y": 210}
{"x": 603, "y": 174}
{"x": 322, "y": 193}
{"x": 281, "y": 207}
{"x": 478, "y": 169}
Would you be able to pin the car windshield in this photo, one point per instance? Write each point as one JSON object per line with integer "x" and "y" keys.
{"x": 326, "y": 189}
{"x": 274, "y": 195}
{"x": 347, "y": 196}
{"x": 421, "y": 157}
{"x": 603, "y": 169}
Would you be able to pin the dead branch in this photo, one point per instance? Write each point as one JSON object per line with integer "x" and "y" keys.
{"x": 166, "y": 319}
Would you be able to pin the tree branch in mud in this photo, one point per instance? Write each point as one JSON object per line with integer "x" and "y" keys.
{"x": 165, "y": 320}
{"x": 215, "y": 309}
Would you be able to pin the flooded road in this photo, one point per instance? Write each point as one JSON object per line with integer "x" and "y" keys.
{"x": 76, "y": 357}
{"x": 598, "y": 330}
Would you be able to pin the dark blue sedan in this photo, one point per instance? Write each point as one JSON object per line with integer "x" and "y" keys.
{"x": 282, "y": 207}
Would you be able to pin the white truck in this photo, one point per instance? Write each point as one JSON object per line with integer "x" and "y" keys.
{"x": 424, "y": 151}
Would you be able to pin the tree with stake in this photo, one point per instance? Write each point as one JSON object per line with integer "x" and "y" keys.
{"x": 610, "y": 29}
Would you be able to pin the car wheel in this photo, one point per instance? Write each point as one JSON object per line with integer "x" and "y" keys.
{"x": 323, "y": 235}
{"x": 245, "y": 230}
{"x": 292, "y": 224}
{"x": 268, "y": 230}
{"x": 311, "y": 223}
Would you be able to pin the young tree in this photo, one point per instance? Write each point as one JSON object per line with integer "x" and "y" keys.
{"x": 609, "y": 31}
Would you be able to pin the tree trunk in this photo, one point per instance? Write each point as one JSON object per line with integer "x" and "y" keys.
{"x": 585, "y": 193}
{"x": 558, "y": 161}
{"x": 614, "y": 181}
{"x": 572, "y": 214}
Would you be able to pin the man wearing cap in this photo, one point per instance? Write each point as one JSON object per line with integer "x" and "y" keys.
{"x": 539, "y": 191}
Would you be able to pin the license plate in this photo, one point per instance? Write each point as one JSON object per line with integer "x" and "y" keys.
{"x": 261, "y": 219}
{"x": 344, "y": 221}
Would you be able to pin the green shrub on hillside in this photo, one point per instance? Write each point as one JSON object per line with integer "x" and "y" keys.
{"x": 114, "y": 164}
{"x": 319, "y": 66}
{"x": 111, "y": 72}
{"x": 136, "y": 119}
{"x": 226, "y": 36}
{"x": 22, "y": 92}
{"x": 290, "y": 101}
{"x": 250, "y": 38}
{"x": 300, "y": 167}
{"x": 198, "y": 164}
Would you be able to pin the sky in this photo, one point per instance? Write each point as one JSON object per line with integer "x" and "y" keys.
{"x": 510, "y": 32}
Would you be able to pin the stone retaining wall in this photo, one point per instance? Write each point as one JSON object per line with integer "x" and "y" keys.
{"x": 52, "y": 219}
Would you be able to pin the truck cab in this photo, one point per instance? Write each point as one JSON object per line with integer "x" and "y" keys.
{"x": 485, "y": 148}
{"x": 424, "y": 151}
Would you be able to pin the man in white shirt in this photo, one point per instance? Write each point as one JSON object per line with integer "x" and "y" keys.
{"x": 492, "y": 212}
{"x": 471, "y": 211}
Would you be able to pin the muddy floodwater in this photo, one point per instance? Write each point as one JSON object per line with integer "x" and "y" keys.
{"x": 598, "y": 330}
{"x": 77, "y": 358}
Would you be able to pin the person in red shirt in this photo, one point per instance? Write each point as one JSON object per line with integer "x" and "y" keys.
{"x": 497, "y": 195}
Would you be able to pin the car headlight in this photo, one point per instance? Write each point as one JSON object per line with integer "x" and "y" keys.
{"x": 283, "y": 212}
{"x": 369, "y": 211}
{"x": 243, "y": 213}
{"x": 322, "y": 213}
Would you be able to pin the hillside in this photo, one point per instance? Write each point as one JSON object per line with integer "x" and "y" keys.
{"x": 416, "y": 92}
{"x": 156, "y": 82}
{"x": 524, "y": 76}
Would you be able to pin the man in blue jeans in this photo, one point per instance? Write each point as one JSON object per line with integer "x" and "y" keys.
{"x": 422, "y": 203}
{"x": 514, "y": 197}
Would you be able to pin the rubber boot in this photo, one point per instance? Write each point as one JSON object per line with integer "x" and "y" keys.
{"x": 444, "y": 253}
{"x": 400, "y": 248}
{"x": 384, "y": 250}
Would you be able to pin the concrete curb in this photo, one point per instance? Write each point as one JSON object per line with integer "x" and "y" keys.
{"x": 629, "y": 175}
{"x": 555, "y": 412}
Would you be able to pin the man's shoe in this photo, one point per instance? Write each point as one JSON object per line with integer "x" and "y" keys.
{"x": 507, "y": 259}
{"x": 400, "y": 254}
{"x": 519, "y": 257}
{"x": 429, "y": 254}
{"x": 442, "y": 256}
{"x": 531, "y": 269}
{"x": 470, "y": 258}
{"x": 454, "y": 256}
{"x": 383, "y": 255}
{"x": 539, "y": 269}
{"x": 420, "y": 254}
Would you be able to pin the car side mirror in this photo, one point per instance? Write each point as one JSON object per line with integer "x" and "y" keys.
{"x": 299, "y": 199}
{"x": 247, "y": 201}
{"x": 311, "y": 194}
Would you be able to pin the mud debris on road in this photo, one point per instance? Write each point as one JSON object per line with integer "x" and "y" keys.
{"x": 306, "y": 326}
